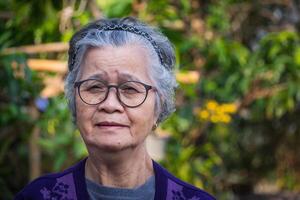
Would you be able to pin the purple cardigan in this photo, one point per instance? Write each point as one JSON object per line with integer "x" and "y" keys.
{"x": 70, "y": 184}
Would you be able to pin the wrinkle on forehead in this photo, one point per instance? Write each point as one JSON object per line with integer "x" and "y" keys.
{"x": 128, "y": 62}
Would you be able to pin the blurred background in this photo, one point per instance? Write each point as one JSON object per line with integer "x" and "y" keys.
{"x": 236, "y": 131}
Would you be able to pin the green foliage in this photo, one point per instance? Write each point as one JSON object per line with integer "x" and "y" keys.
{"x": 60, "y": 140}
{"x": 226, "y": 65}
{"x": 217, "y": 17}
{"x": 36, "y": 21}
{"x": 266, "y": 84}
{"x": 116, "y": 8}
{"x": 278, "y": 55}
{"x": 19, "y": 87}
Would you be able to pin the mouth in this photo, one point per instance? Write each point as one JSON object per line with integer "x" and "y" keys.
{"x": 111, "y": 124}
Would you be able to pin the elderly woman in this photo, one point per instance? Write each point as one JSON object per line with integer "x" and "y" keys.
{"x": 120, "y": 86}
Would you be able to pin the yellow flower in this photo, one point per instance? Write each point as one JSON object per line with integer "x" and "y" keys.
{"x": 215, "y": 112}
{"x": 229, "y": 108}
{"x": 212, "y": 105}
{"x": 214, "y": 119}
{"x": 225, "y": 118}
{"x": 204, "y": 114}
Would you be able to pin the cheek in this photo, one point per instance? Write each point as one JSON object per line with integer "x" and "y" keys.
{"x": 79, "y": 108}
{"x": 143, "y": 119}
{"x": 83, "y": 115}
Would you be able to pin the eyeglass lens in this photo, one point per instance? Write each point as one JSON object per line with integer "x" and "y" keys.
{"x": 130, "y": 93}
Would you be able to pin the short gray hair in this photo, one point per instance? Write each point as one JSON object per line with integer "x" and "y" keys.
{"x": 159, "y": 48}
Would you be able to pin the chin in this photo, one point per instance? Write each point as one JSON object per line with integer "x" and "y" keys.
{"x": 113, "y": 147}
{"x": 110, "y": 147}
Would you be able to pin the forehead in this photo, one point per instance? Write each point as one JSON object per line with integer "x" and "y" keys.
{"x": 114, "y": 63}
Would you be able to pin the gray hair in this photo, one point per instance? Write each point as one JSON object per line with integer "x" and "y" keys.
{"x": 159, "y": 48}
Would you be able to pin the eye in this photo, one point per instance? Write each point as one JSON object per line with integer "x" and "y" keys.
{"x": 132, "y": 88}
{"x": 129, "y": 90}
{"x": 93, "y": 86}
{"x": 98, "y": 87}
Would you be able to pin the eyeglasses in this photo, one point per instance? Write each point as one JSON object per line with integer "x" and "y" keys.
{"x": 131, "y": 93}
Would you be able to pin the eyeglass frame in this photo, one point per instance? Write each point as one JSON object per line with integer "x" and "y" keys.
{"x": 77, "y": 85}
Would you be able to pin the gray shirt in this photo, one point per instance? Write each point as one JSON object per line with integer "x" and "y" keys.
{"x": 100, "y": 192}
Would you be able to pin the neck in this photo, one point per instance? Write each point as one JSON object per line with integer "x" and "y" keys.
{"x": 126, "y": 169}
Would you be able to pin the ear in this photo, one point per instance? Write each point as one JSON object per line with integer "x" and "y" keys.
{"x": 154, "y": 126}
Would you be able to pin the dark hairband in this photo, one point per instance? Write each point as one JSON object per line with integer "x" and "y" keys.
{"x": 125, "y": 27}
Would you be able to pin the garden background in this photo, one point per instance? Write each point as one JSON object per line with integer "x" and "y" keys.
{"x": 236, "y": 131}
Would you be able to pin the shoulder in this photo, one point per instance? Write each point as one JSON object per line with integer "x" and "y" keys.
{"x": 178, "y": 189}
{"x": 58, "y": 185}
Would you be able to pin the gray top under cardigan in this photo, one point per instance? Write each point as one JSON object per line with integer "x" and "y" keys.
{"x": 145, "y": 191}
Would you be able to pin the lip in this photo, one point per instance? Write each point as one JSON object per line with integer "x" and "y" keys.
{"x": 110, "y": 124}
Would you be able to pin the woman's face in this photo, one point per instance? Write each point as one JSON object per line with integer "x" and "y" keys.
{"x": 110, "y": 126}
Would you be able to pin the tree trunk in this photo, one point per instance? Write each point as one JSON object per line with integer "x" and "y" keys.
{"x": 34, "y": 148}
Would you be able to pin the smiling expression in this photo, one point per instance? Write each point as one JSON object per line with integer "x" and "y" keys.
{"x": 110, "y": 126}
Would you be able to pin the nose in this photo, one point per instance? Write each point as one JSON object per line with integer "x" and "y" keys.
{"x": 111, "y": 103}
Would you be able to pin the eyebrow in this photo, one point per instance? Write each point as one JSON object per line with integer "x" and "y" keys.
{"x": 122, "y": 77}
{"x": 128, "y": 77}
{"x": 99, "y": 76}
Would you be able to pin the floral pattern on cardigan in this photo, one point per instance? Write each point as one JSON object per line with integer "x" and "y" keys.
{"x": 63, "y": 189}
{"x": 177, "y": 192}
